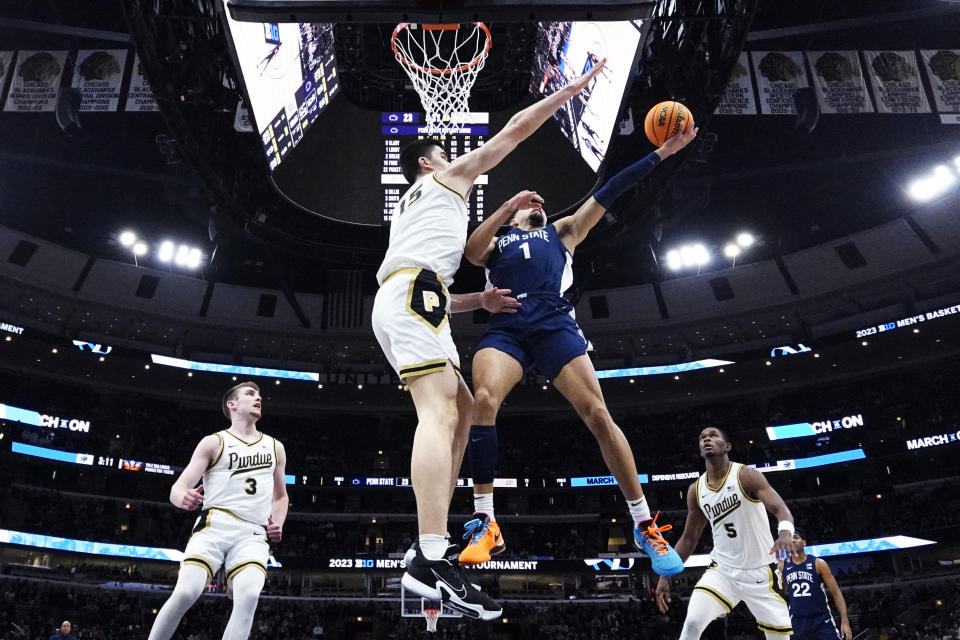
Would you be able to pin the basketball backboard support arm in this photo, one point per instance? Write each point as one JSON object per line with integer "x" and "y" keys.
{"x": 438, "y": 11}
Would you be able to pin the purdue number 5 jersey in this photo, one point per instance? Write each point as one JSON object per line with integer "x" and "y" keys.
{"x": 240, "y": 479}
{"x": 428, "y": 230}
{"x": 741, "y": 529}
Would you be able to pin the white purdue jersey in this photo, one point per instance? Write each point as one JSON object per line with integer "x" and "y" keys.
{"x": 741, "y": 529}
{"x": 240, "y": 480}
{"x": 428, "y": 230}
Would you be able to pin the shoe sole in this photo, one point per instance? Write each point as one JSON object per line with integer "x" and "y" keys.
{"x": 442, "y": 593}
{"x": 419, "y": 588}
{"x": 474, "y": 611}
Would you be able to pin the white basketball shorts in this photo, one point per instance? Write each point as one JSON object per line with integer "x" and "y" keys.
{"x": 729, "y": 586}
{"x": 222, "y": 539}
{"x": 410, "y": 320}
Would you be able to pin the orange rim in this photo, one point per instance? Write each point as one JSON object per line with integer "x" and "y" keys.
{"x": 440, "y": 27}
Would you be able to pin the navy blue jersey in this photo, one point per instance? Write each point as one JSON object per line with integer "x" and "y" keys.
{"x": 806, "y": 593}
{"x": 538, "y": 270}
{"x": 532, "y": 263}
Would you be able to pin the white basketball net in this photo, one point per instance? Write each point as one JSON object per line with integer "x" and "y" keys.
{"x": 432, "y": 615}
{"x": 442, "y": 61}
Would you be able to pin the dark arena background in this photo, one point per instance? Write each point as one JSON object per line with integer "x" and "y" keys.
{"x": 199, "y": 192}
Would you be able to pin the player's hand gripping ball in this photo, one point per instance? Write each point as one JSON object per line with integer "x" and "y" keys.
{"x": 666, "y": 120}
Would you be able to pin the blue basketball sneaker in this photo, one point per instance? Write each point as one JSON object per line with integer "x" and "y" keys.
{"x": 665, "y": 560}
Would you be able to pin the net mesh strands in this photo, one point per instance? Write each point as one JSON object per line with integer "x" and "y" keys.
{"x": 442, "y": 62}
{"x": 432, "y": 615}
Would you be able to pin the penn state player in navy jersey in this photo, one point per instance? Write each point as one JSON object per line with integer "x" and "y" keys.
{"x": 807, "y": 579}
{"x": 534, "y": 260}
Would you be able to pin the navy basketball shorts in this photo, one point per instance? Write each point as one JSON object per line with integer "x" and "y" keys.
{"x": 538, "y": 335}
{"x": 819, "y": 628}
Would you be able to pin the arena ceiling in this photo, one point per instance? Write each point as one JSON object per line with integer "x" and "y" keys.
{"x": 790, "y": 188}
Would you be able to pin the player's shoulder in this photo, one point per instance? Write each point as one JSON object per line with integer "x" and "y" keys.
{"x": 215, "y": 438}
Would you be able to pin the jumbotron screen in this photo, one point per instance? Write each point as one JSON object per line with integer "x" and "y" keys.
{"x": 290, "y": 74}
{"x": 567, "y": 50}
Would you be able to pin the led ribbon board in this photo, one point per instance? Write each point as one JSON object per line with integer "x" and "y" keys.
{"x": 106, "y": 461}
{"x": 41, "y": 541}
{"x": 807, "y": 463}
{"x": 213, "y": 367}
{"x": 805, "y": 429}
{"x": 36, "y": 419}
{"x": 664, "y": 369}
{"x": 764, "y": 467}
{"x": 933, "y": 441}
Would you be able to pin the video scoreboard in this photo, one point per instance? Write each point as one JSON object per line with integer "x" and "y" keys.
{"x": 399, "y": 128}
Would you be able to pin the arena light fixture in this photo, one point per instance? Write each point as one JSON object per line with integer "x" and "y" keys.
{"x": 127, "y": 238}
{"x": 193, "y": 258}
{"x": 674, "y": 261}
{"x": 165, "y": 253}
{"x": 745, "y": 239}
{"x": 732, "y": 250}
{"x": 183, "y": 254}
{"x": 932, "y": 186}
{"x": 140, "y": 249}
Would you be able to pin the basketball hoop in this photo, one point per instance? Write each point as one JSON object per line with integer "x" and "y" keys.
{"x": 442, "y": 61}
{"x": 432, "y": 615}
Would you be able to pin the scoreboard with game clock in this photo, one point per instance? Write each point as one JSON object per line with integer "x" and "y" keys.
{"x": 400, "y": 128}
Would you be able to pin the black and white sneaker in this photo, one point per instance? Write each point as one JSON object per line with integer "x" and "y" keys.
{"x": 443, "y": 580}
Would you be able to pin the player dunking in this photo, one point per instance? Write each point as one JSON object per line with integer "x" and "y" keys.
{"x": 245, "y": 502}
{"x": 734, "y": 501}
{"x": 427, "y": 236}
{"x": 534, "y": 260}
{"x": 807, "y": 579}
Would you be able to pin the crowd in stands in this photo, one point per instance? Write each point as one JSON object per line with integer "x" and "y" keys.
{"x": 140, "y": 427}
{"x": 32, "y": 610}
{"x": 309, "y": 539}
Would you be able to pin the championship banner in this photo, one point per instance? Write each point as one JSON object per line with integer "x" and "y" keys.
{"x": 738, "y": 99}
{"x": 6, "y": 66}
{"x": 779, "y": 75}
{"x": 943, "y": 70}
{"x": 139, "y": 95}
{"x": 98, "y": 75}
{"x": 36, "y": 81}
{"x": 895, "y": 78}
{"x": 839, "y": 81}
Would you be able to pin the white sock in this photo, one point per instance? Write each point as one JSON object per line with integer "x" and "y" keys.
{"x": 483, "y": 503}
{"x": 433, "y": 546}
{"x": 639, "y": 510}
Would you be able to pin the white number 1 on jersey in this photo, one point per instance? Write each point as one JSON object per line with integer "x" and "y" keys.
{"x": 525, "y": 247}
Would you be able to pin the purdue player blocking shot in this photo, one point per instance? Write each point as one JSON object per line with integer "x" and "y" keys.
{"x": 428, "y": 232}
{"x": 244, "y": 500}
{"x": 734, "y": 501}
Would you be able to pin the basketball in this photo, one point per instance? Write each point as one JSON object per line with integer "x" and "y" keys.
{"x": 666, "y": 120}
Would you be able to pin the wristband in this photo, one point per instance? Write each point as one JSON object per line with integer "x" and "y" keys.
{"x": 785, "y": 525}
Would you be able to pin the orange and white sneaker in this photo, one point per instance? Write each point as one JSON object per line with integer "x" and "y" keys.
{"x": 485, "y": 540}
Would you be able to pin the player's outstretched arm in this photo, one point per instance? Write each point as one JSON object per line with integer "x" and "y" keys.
{"x": 827, "y": 576}
{"x": 281, "y": 501}
{"x": 183, "y": 494}
{"x": 692, "y": 530}
{"x": 573, "y": 229}
{"x": 757, "y": 488}
{"x": 493, "y": 300}
{"x": 462, "y": 172}
{"x": 481, "y": 241}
